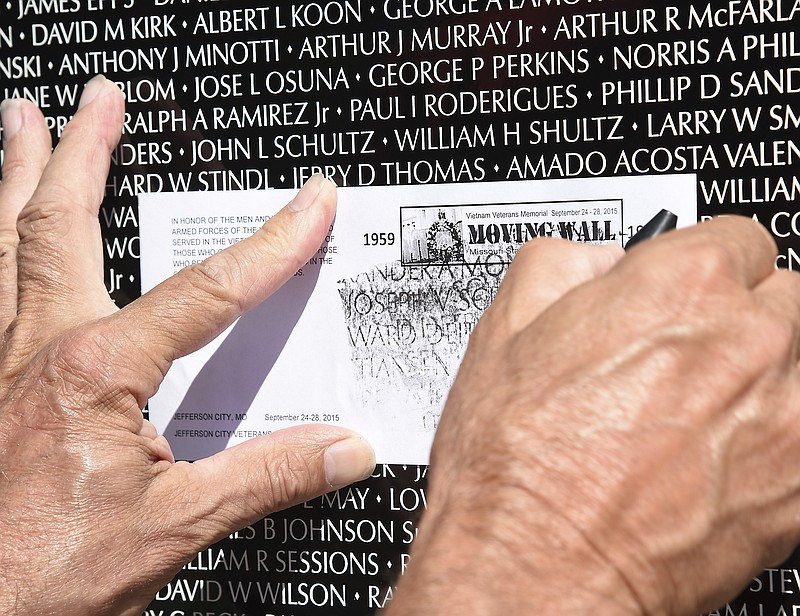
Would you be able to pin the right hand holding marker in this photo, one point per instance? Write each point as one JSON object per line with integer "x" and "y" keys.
{"x": 630, "y": 448}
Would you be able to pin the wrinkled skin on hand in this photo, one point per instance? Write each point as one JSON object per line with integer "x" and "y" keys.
{"x": 622, "y": 436}
{"x": 95, "y": 515}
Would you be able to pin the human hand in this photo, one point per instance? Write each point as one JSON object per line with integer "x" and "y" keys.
{"x": 631, "y": 448}
{"x": 95, "y": 515}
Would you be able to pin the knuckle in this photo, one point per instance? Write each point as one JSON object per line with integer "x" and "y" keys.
{"x": 289, "y": 477}
{"x": 484, "y": 327}
{"x": 789, "y": 281}
{"x": 41, "y": 218}
{"x": 706, "y": 265}
{"x": 575, "y": 261}
{"x": 771, "y": 325}
{"x": 216, "y": 281}
{"x": 16, "y": 171}
{"x": 277, "y": 241}
{"x": 491, "y": 327}
{"x": 774, "y": 338}
{"x": 536, "y": 249}
{"x": 8, "y": 249}
{"x": 79, "y": 363}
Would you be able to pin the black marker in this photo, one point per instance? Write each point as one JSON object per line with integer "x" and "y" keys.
{"x": 660, "y": 223}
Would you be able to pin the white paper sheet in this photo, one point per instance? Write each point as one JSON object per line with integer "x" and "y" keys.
{"x": 371, "y": 333}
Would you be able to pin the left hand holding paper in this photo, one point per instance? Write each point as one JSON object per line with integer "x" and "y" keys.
{"x": 95, "y": 514}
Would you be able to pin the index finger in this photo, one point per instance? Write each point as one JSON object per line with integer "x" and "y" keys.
{"x": 192, "y": 307}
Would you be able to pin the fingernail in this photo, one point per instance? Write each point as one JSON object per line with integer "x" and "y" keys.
{"x": 348, "y": 461}
{"x": 11, "y": 118}
{"x": 308, "y": 194}
{"x": 93, "y": 87}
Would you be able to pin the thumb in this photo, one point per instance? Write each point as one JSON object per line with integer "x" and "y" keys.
{"x": 219, "y": 495}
